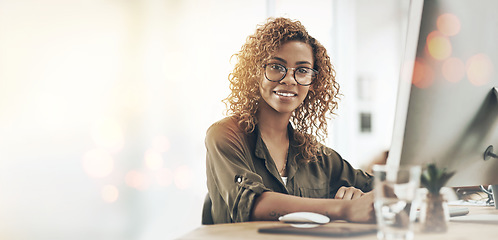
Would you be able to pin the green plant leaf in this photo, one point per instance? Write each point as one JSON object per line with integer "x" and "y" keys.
{"x": 434, "y": 178}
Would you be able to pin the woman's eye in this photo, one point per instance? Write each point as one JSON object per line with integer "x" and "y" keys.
{"x": 278, "y": 68}
{"x": 303, "y": 70}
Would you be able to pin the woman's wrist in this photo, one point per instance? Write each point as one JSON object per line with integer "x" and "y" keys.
{"x": 344, "y": 212}
{"x": 337, "y": 209}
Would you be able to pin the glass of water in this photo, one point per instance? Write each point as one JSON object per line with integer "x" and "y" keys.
{"x": 395, "y": 191}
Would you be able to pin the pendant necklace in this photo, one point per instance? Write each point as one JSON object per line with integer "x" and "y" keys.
{"x": 284, "y": 168}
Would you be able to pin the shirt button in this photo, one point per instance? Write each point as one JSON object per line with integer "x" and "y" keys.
{"x": 238, "y": 179}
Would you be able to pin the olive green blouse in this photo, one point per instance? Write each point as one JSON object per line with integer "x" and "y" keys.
{"x": 239, "y": 168}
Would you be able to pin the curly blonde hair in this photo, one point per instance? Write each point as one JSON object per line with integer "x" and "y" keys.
{"x": 310, "y": 118}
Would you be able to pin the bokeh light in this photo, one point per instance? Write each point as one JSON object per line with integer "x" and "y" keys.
{"x": 438, "y": 45}
{"x": 153, "y": 159}
{"x": 108, "y": 133}
{"x": 164, "y": 177}
{"x": 137, "y": 180}
{"x": 161, "y": 143}
{"x": 448, "y": 24}
{"x": 453, "y": 69}
{"x": 110, "y": 193}
{"x": 98, "y": 163}
{"x": 183, "y": 177}
{"x": 423, "y": 75}
{"x": 479, "y": 69}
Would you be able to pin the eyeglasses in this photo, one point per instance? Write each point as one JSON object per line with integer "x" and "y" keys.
{"x": 275, "y": 72}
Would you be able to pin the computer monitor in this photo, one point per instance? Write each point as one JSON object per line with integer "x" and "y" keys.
{"x": 447, "y": 106}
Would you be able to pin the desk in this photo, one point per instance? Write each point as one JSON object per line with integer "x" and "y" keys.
{"x": 249, "y": 230}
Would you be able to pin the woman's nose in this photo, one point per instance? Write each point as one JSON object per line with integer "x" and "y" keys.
{"x": 289, "y": 78}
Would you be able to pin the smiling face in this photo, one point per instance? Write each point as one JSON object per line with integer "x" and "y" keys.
{"x": 286, "y": 95}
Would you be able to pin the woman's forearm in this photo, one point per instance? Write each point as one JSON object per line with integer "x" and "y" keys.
{"x": 271, "y": 205}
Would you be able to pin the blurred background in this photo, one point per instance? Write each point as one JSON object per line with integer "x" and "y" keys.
{"x": 104, "y": 104}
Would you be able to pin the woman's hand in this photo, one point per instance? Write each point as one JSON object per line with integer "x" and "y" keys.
{"x": 360, "y": 209}
{"x": 348, "y": 193}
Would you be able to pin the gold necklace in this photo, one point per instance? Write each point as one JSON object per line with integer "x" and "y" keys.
{"x": 283, "y": 169}
{"x": 282, "y": 172}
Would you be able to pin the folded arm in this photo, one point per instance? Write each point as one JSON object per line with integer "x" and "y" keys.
{"x": 271, "y": 205}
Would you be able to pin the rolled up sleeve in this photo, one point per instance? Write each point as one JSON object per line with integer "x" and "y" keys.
{"x": 232, "y": 182}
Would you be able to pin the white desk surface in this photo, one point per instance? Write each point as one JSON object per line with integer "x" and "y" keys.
{"x": 459, "y": 230}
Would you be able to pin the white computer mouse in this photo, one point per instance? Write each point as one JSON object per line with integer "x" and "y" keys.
{"x": 304, "y": 217}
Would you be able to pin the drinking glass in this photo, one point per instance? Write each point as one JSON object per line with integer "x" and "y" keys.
{"x": 395, "y": 191}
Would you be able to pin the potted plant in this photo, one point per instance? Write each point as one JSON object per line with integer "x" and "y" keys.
{"x": 434, "y": 214}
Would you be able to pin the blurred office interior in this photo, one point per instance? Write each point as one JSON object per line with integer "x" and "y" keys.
{"x": 104, "y": 104}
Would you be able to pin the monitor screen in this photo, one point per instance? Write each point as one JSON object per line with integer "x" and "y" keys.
{"x": 447, "y": 107}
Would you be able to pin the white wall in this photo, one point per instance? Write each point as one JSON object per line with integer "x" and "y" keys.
{"x": 369, "y": 38}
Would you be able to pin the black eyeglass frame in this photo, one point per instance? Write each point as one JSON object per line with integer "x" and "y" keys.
{"x": 287, "y": 70}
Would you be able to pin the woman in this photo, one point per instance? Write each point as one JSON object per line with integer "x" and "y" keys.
{"x": 266, "y": 159}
